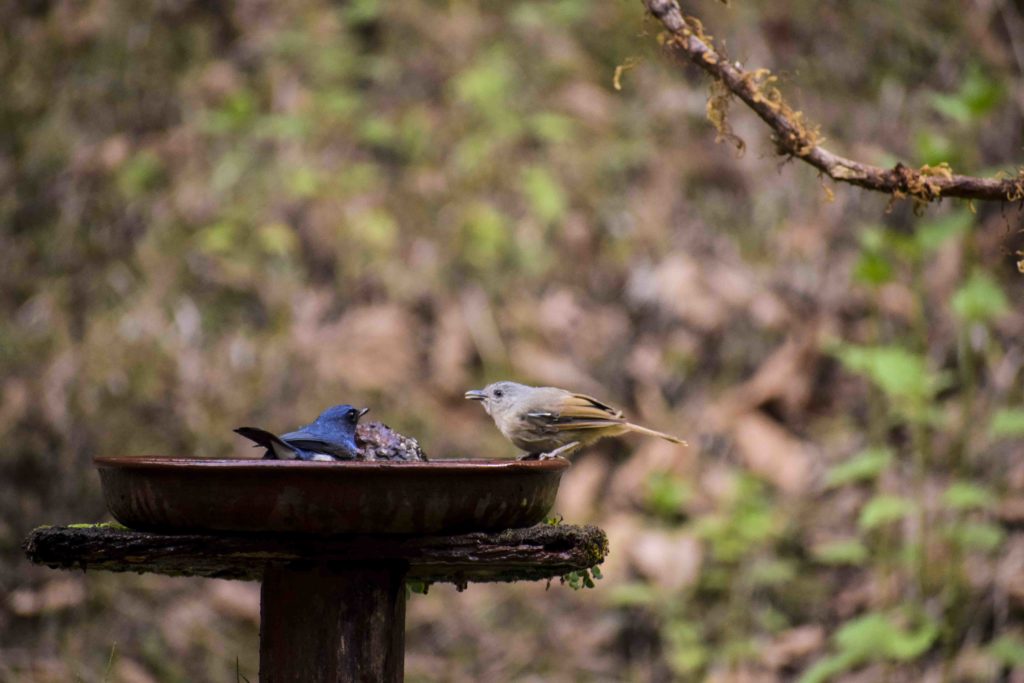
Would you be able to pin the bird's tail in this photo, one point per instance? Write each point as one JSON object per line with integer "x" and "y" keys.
{"x": 262, "y": 437}
{"x": 650, "y": 432}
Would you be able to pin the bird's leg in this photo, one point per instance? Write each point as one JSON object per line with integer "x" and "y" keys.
{"x": 561, "y": 451}
{"x": 529, "y": 456}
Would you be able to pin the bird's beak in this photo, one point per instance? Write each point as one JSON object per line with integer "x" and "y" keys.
{"x": 364, "y": 411}
{"x": 476, "y": 395}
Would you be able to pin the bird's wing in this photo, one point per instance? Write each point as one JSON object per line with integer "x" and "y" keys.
{"x": 272, "y": 442}
{"x": 309, "y": 440}
{"x": 577, "y": 411}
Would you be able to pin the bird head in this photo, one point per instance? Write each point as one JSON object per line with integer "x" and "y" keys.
{"x": 343, "y": 414}
{"x": 497, "y": 395}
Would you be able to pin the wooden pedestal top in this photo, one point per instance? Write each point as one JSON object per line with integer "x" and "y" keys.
{"x": 539, "y": 552}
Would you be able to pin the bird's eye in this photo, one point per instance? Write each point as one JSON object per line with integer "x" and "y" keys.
{"x": 498, "y": 393}
{"x": 351, "y": 414}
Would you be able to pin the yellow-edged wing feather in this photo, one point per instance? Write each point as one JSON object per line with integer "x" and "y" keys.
{"x": 579, "y": 411}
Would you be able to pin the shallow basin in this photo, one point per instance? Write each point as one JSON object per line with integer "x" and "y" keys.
{"x": 437, "y": 497}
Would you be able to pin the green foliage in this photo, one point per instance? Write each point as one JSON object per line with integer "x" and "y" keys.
{"x": 582, "y": 579}
{"x": 667, "y": 494}
{"x": 544, "y": 194}
{"x": 687, "y": 653}
{"x": 900, "y": 374}
{"x": 980, "y": 536}
{"x": 978, "y": 96}
{"x": 931, "y": 234}
{"x": 749, "y": 522}
{"x": 844, "y": 552}
{"x": 1008, "y": 649}
{"x": 882, "y": 510}
{"x": 864, "y": 466}
{"x": 963, "y": 495}
{"x": 869, "y": 638}
{"x": 980, "y": 299}
{"x": 1007, "y": 423}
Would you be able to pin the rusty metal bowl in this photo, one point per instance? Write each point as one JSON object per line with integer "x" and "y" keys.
{"x": 436, "y": 497}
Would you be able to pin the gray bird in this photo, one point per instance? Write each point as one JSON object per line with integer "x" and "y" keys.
{"x": 547, "y": 422}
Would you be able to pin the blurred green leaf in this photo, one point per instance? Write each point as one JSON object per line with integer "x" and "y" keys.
{"x": 896, "y": 371}
{"x": 686, "y": 651}
{"x": 303, "y": 182}
{"x": 362, "y": 11}
{"x": 982, "y": 536}
{"x": 218, "y": 238}
{"x": 875, "y": 637}
{"x": 873, "y": 268}
{"x": 485, "y": 236}
{"x": 544, "y": 193}
{"x": 237, "y": 111}
{"x": 848, "y": 551}
{"x": 932, "y": 234}
{"x": 633, "y": 594}
{"x": 667, "y": 494}
{"x": 882, "y": 510}
{"x": 1007, "y": 423}
{"x": 964, "y": 495}
{"x": 141, "y": 173}
{"x": 933, "y": 148}
{"x": 277, "y": 238}
{"x": 952, "y": 106}
{"x": 863, "y": 466}
{"x": 980, "y": 299}
{"x": 770, "y": 572}
{"x": 487, "y": 84}
{"x": 1008, "y": 649}
{"x": 551, "y": 127}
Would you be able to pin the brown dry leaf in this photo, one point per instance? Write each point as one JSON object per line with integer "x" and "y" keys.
{"x": 451, "y": 350}
{"x": 581, "y": 486}
{"x": 1011, "y": 511}
{"x": 483, "y": 327}
{"x": 188, "y": 621}
{"x": 622, "y": 529}
{"x": 53, "y": 596}
{"x": 235, "y": 599}
{"x": 785, "y": 375}
{"x": 743, "y": 674}
{"x": 629, "y": 483}
{"x": 669, "y": 559}
{"x": 774, "y": 453}
{"x": 677, "y": 285}
{"x": 793, "y": 645}
{"x": 895, "y": 298}
{"x": 1009, "y": 575}
{"x": 587, "y": 102}
{"x": 129, "y": 671}
{"x": 369, "y": 348}
{"x": 546, "y": 367}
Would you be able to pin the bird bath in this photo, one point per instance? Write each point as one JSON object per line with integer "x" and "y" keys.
{"x": 332, "y": 543}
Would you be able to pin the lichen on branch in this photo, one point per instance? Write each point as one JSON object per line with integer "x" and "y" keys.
{"x": 794, "y": 137}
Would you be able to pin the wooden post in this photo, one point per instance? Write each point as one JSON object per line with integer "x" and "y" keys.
{"x": 332, "y": 608}
{"x": 333, "y": 624}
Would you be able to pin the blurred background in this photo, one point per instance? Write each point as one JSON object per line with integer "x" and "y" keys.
{"x": 214, "y": 214}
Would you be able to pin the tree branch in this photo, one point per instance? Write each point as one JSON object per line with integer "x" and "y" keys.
{"x": 795, "y": 138}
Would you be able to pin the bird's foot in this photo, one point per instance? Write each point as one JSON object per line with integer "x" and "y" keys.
{"x": 561, "y": 451}
{"x": 529, "y": 456}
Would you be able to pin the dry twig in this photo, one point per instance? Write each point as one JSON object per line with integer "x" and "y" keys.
{"x": 795, "y": 138}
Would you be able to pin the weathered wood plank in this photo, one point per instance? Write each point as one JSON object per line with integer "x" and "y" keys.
{"x": 538, "y": 552}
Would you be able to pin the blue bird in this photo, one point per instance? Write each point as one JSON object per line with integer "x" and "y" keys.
{"x": 331, "y": 436}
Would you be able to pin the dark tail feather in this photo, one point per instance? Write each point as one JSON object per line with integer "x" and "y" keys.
{"x": 262, "y": 437}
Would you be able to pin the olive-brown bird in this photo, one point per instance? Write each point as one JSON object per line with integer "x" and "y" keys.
{"x": 547, "y": 422}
